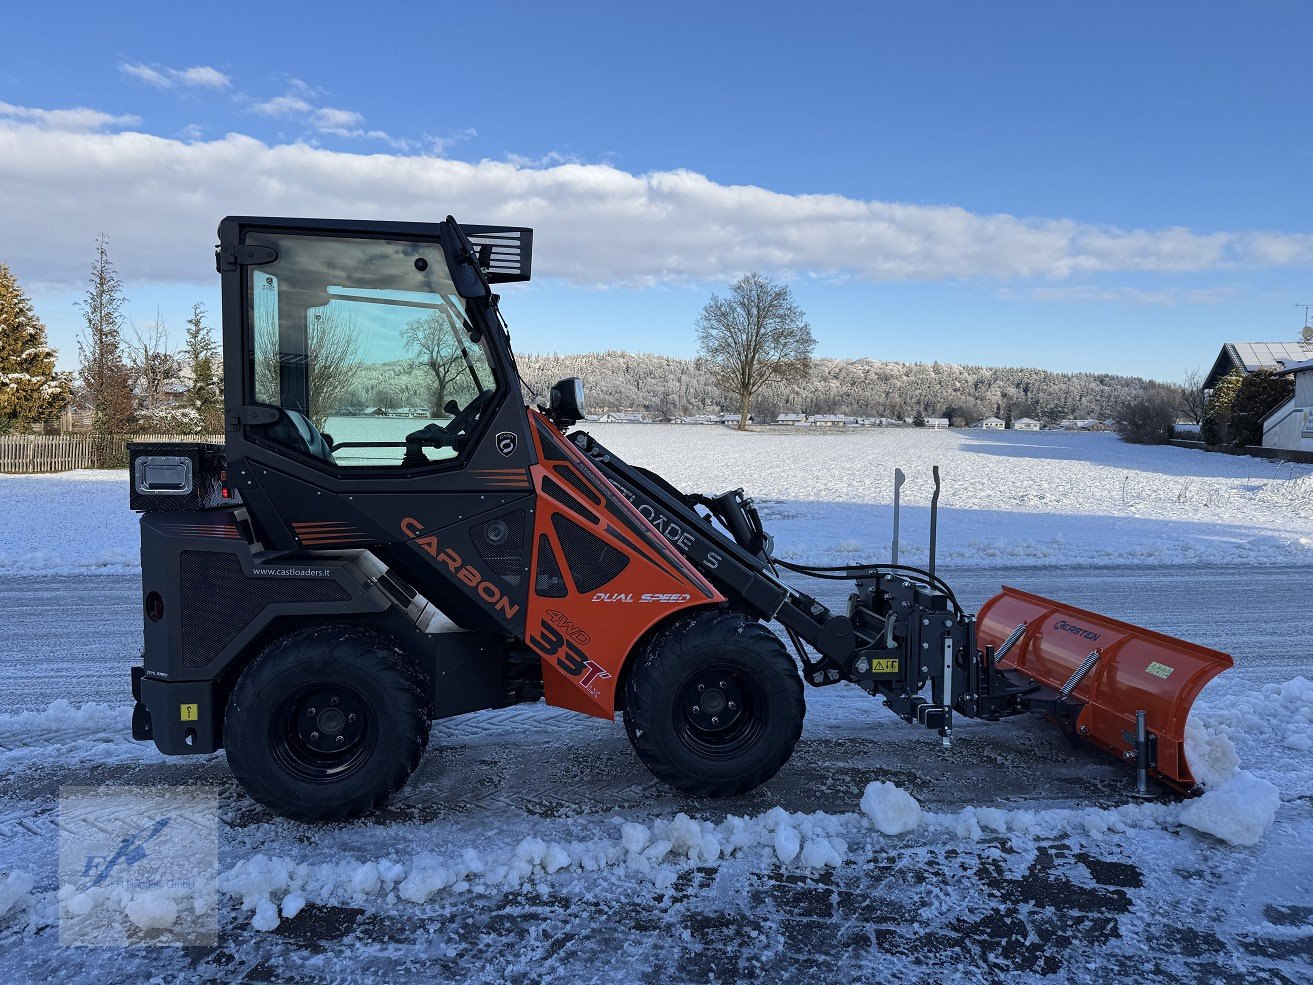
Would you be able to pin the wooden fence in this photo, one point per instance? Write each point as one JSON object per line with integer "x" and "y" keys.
{"x": 28, "y": 453}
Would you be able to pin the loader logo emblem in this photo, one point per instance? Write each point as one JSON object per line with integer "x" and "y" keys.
{"x": 506, "y": 442}
{"x": 1081, "y": 631}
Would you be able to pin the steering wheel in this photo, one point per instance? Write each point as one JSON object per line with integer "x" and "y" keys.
{"x": 461, "y": 422}
{"x": 437, "y": 435}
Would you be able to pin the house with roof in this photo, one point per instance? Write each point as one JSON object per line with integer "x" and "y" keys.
{"x": 792, "y": 420}
{"x": 1290, "y": 426}
{"x": 989, "y": 424}
{"x": 1247, "y": 357}
{"x": 937, "y": 423}
{"x": 1025, "y": 424}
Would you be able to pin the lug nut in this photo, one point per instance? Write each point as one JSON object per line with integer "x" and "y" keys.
{"x": 722, "y": 685}
{"x": 310, "y": 712}
{"x": 341, "y": 739}
{"x": 715, "y": 721}
{"x": 702, "y": 687}
{"x": 314, "y": 736}
{"x": 732, "y": 706}
{"x": 697, "y": 710}
{"x": 335, "y": 699}
{"x": 350, "y": 718}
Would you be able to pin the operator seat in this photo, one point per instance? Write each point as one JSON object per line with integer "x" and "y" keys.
{"x": 300, "y": 432}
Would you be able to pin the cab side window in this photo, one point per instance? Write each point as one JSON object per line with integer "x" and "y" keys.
{"x": 368, "y": 350}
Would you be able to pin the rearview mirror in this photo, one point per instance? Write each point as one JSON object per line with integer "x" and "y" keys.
{"x": 565, "y": 406}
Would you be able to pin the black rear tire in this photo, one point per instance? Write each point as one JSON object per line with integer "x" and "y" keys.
{"x": 326, "y": 723}
{"x": 714, "y": 705}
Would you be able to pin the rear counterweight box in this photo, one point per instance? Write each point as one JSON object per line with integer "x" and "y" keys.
{"x": 176, "y": 476}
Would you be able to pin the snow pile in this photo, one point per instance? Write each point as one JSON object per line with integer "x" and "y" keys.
{"x": 15, "y": 891}
{"x": 1237, "y": 806}
{"x": 891, "y": 809}
{"x": 157, "y": 908}
{"x": 151, "y": 910}
{"x": 1210, "y": 753}
{"x": 1239, "y": 811}
{"x": 1278, "y": 715}
{"x": 277, "y": 888}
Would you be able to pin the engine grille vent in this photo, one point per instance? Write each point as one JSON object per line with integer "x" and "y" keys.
{"x": 591, "y": 561}
{"x": 500, "y": 542}
{"x": 549, "y": 583}
{"x": 219, "y": 601}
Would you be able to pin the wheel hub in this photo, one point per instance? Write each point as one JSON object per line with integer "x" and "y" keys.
{"x": 712, "y": 702}
{"x": 329, "y": 720}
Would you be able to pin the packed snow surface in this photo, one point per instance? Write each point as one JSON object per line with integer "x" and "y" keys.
{"x": 1009, "y": 497}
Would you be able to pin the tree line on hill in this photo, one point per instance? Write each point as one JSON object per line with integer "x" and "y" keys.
{"x": 672, "y": 387}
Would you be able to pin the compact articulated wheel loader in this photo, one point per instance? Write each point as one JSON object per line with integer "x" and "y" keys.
{"x": 390, "y": 536}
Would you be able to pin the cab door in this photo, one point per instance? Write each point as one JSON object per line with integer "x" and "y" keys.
{"x": 371, "y": 402}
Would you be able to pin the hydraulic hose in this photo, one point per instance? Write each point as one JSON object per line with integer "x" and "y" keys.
{"x": 847, "y": 572}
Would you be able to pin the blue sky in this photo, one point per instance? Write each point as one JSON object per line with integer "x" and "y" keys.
{"x": 1115, "y": 186}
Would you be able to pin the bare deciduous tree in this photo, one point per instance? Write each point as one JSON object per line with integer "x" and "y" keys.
{"x": 336, "y": 352}
{"x": 756, "y": 336}
{"x": 1192, "y": 396}
{"x": 334, "y": 355}
{"x": 153, "y": 367}
{"x": 432, "y": 338}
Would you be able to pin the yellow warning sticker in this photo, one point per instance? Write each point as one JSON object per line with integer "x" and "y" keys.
{"x": 189, "y": 713}
{"x": 885, "y": 665}
{"x": 1159, "y": 670}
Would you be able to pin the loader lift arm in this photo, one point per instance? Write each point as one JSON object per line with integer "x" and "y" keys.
{"x": 904, "y": 627}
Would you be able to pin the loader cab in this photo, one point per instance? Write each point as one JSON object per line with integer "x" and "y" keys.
{"x": 364, "y": 350}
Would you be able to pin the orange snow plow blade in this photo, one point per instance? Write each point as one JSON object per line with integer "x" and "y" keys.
{"x": 1135, "y": 670}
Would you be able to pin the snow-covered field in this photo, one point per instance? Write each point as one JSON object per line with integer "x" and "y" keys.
{"x": 531, "y": 844}
{"x": 1014, "y": 498}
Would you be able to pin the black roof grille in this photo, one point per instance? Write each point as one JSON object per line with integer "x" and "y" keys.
{"x": 505, "y": 252}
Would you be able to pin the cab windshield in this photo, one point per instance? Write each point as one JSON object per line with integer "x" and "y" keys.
{"x": 368, "y": 349}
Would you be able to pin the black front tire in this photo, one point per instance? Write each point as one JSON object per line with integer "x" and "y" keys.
{"x": 326, "y": 723}
{"x": 714, "y": 705}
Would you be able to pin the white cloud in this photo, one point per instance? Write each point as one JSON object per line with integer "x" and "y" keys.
{"x": 159, "y": 200}
{"x": 283, "y": 106}
{"x": 78, "y": 119}
{"x": 327, "y": 117}
{"x": 295, "y": 105}
{"x": 196, "y": 77}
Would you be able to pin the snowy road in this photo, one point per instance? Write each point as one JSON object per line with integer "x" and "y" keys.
{"x": 1066, "y": 897}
